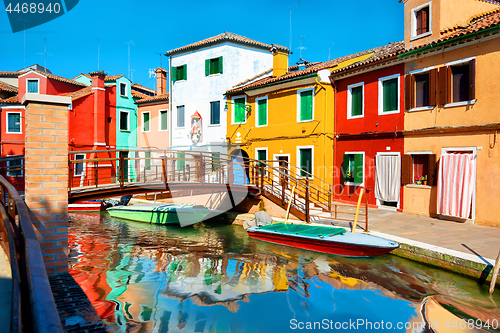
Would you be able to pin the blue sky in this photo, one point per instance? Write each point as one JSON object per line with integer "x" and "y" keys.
{"x": 157, "y": 26}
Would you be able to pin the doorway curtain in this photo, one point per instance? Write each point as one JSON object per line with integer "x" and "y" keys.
{"x": 456, "y": 183}
{"x": 387, "y": 177}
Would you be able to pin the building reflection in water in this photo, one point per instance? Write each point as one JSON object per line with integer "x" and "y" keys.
{"x": 149, "y": 278}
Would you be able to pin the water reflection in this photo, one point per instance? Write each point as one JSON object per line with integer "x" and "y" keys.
{"x": 150, "y": 278}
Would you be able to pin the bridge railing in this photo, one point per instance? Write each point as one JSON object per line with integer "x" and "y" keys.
{"x": 12, "y": 169}
{"x": 33, "y": 306}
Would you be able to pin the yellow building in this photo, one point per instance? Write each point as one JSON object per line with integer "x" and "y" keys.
{"x": 452, "y": 116}
{"x": 285, "y": 115}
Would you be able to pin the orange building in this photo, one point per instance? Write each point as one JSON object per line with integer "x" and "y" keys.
{"x": 452, "y": 79}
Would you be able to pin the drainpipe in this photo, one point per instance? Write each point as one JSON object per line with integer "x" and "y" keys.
{"x": 170, "y": 104}
{"x": 325, "y": 126}
{"x": 334, "y": 134}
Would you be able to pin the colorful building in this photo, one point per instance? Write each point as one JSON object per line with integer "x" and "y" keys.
{"x": 200, "y": 74}
{"x": 369, "y": 116}
{"x": 285, "y": 115}
{"x": 452, "y": 116}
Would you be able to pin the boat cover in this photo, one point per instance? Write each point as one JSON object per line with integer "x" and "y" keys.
{"x": 303, "y": 230}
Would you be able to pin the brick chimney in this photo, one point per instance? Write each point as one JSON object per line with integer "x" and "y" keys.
{"x": 161, "y": 81}
{"x": 280, "y": 61}
{"x": 99, "y": 108}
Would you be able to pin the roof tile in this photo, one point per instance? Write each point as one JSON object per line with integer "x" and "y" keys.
{"x": 7, "y": 87}
{"x": 157, "y": 98}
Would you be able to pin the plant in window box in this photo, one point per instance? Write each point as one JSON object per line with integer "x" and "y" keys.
{"x": 421, "y": 180}
{"x": 349, "y": 176}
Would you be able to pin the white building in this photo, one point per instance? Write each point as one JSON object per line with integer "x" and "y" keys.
{"x": 200, "y": 74}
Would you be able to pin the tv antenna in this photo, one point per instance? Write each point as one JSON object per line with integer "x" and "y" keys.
{"x": 160, "y": 59}
{"x": 301, "y": 48}
{"x": 129, "y": 43}
{"x": 291, "y": 25}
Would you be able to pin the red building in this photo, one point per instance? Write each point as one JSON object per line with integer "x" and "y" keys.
{"x": 369, "y": 116}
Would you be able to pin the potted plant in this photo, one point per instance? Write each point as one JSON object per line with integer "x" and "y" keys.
{"x": 424, "y": 180}
{"x": 349, "y": 176}
{"x": 421, "y": 180}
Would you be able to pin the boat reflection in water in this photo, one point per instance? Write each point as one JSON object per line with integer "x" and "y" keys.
{"x": 154, "y": 278}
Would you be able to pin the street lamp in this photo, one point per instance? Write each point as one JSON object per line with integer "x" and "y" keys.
{"x": 248, "y": 108}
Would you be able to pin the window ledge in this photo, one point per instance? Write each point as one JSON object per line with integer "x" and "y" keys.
{"x": 13, "y": 132}
{"x": 353, "y": 184}
{"x": 450, "y": 105}
{"x": 213, "y": 125}
{"x": 381, "y": 113}
{"x": 422, "y": 108}
{"x": 259, "y": 126}
{"x": 420, "y": 36}
{"x": 122, "y": 130}
{"x": 216, "y": 74}
{"x": 301, "y": 121}
{"x": 418, "y": 186}
{"x": 355, "y": 117}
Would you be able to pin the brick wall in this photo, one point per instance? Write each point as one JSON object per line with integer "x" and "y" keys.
{"x": 46, "y": 175}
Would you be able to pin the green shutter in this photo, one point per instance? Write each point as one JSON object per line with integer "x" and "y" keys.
{"x": 358, "y": 168}
{"x": 181, "y": 162}
{"x": 262, "y": 112}
{"x": 220, "y": 65}
{"x": 207, "y": 67}
{"x": 163, "y": 120}
{"x": 390, "y": 95}
{"x": 345, "y": 167}
{"x": 145, "y": 119}
{"x": 305, "y": 161}
{"x": 147, "y": 161}
{"x": 357, "y": 101}
{"x": 184, "y": 72}
{"x": 239, "y": 110}
{"x": 173, "y": 75}
{"x": 306, "y": 105}
{"x": 261, "y": 156}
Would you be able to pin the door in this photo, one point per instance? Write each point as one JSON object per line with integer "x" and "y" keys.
{"x": 124, "y": 168}
{"x": 239, "y": 170}
{"x": 387, "y": 179}
{"x": 281, "y": 164}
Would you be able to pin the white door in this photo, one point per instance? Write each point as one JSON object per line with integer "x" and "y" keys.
{"x": 387, "y": 179}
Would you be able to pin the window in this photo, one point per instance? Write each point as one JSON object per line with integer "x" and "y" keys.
{"x": 239, "y": 114}
{"x": 79, "y": 167}
{"x": 14, "y": 122}
{"x": 181, "y": 162}
{"x": 261, "y": 155}
{"x": 215, "y": 113}
{"x": 32, "y": 86}
{"x": 123, "y": 89}
{"x": 124, "y": 121}
{"x": 180, "y": 116}
{"x": 388, "y": 99}
{"x": 305, "y": 105}
{"x": 163, "y": 120}
{"x": 147, "y": 161}
{"x": 421, "y": 20}
{"x": 354, "y": 168}
{"x": 145, "y": 121}
{"x": 355, "y": 101}
{"x": 216, "y": 161}
{"x": 420, "y": 88}
{"x": 305, "y": 161}
{"x": 15, "y": 167}
{"x": 457, "y": 82}
{"x": 261, "y": 106}
{"x": 213, "y": 66}
{"x": 418, "y": 168}
{"x": 179, "y": 73}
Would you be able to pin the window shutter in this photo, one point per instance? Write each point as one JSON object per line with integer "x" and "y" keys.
{"x": 181, "y": 162}
{"x": 424, "y": 20}
{"x": 305, "y": 161}
{"x": 409, "y": 89}
{"x": 262, "y": 116}
{"x": 406, "y": 165}
{"x": 184, "y": 72}
{"x": 358, "y": 168}
{"x": 431, "y": 176}
{"x": 306, "y": 105}
{"x": 390, "y": 95}
{"x": 173, "y": 75}
{"x": 472, "y": 79}
{"x": 432, "y": 87}
{"x": 345, "y": 167}
{"x": 163, "y": 120}
{"x": 357, "y": 101}
{"x": 444, "y": 85}
{"x": 239, "y": 110}
{"x": 207, "y": 67}
{"x": 220, "y": 65}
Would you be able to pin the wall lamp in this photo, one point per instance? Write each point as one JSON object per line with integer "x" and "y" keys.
{"x": 248, "y": 108}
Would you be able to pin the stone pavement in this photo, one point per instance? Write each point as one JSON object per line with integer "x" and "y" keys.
{"x": 5, "y": 292}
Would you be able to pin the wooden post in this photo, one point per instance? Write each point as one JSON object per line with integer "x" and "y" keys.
{"x": 289, "y": 204}
{"x": 495, "y": 274}
{"x": 335, "y": 211}
{"x": 307, "y": 201}
{"x": 70, "y": 175}
{"x": 122, "y": 171}
{"x": 164, "y": 164}
{"x": 366, "y": 213}
{"x": 262, "y": 178}
{"x": 96, "y": 174}
{"x": 357, "y": 209}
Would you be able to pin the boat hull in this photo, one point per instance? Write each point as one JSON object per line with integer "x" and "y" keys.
{"x": 169, "y": 214}
{"x": 87, "y": 206}
{"x": 330, "y": 245}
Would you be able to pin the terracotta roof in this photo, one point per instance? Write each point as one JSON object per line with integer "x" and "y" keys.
{"x": 112, "y": 78}
{"x": 7, "y": 87}
{"x": 312, "y": 69}
{"x": 141, "y": 87}
{"x": 83, "y": 74}
{"x": 381, "y": 54}
{"x": 11, "y": 100}
{"x": 477, "y": 23}
{"x": 137, "y": 94}
{"x": 57, "y": 78}
{"x": 495, "y": 2}
{"x": 254, "y": 77}
{"x": 156, "y": 98}
{"x": 79, "y": 93}
{"x": 226, "y": 37}
{"x": 9, "y": 73}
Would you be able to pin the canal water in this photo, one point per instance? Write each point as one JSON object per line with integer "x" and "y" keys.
{"x": 214, "y": 278}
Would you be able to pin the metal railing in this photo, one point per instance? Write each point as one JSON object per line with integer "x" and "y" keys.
{"x": 33, "y": 306}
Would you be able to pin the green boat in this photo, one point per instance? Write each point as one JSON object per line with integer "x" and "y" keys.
{"x": 173, "y": 213}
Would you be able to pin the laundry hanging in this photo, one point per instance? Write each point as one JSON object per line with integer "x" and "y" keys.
{"x": 456, "y": 183}
{"x": 387, "y": 177}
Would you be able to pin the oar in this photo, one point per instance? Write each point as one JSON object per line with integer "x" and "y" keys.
{"x": 289, "y": 204}
{"x": 357, "y": 209}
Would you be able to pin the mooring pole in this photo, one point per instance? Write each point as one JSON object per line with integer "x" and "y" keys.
{"x": 495, "y": 274}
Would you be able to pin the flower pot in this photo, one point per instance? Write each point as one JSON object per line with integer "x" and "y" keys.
{"x": 419, "y": 182}
{"x": 424, "y": 182}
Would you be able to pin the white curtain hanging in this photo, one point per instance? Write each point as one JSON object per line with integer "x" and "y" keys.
{"x": 456, "y": 183}
{"x": 387, "y": 177}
